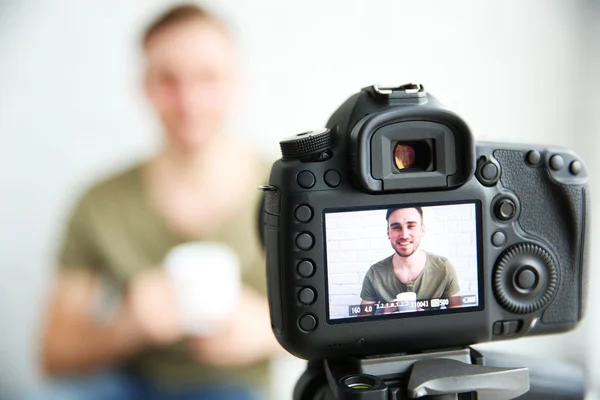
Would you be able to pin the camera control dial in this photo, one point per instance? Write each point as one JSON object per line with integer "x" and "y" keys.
{"x": 525, "y": 278}
{"x": 310, "y": 144}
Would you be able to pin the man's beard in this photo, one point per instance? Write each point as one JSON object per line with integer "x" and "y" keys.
{"x": 406, "y": 255}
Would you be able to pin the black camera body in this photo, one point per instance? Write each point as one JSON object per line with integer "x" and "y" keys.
{"x": 506, "y": 222}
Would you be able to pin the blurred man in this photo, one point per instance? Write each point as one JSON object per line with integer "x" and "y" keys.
{"x": 201, "y": 186}
{"x": 410, "y": 268}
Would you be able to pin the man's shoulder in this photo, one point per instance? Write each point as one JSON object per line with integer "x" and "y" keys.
{"x": 439, "y": 262}
{"x": 383, "y": 265}
{"x": 113, "y": 188}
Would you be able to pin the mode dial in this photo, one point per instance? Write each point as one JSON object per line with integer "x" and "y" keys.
{"x": 306, "y": 144}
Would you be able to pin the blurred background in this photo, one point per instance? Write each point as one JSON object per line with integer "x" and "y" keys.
{"x": 72, "y": 110}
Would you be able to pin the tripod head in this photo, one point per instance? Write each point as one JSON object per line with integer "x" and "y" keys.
{"x": 457, "y": 374}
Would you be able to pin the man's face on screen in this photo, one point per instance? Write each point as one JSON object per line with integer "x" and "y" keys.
{"x": 405, "y": 229}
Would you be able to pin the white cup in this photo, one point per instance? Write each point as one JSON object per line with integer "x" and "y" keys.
{"x": 206, "y": 279}
{"x": 407, "y": 302}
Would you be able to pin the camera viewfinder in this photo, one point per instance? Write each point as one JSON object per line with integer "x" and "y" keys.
{"x": 411, "y": 156}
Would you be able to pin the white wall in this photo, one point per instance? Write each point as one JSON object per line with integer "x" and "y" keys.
{"x": 71, "y": 108}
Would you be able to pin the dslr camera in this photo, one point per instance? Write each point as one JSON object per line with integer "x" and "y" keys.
{"x": 392, "y": 231}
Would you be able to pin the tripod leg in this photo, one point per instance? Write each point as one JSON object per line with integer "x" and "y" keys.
{"x": 312, "y": 385}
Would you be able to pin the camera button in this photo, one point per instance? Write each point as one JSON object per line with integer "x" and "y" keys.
{"x": 576, "y": 167}
{"x": 533, "y": 157}
{"x": 308, "y": 322}
{"x": 505, "y": 209}
{"x": 511, "y": 327}
{"x": 305, "y": 268}
{"x": 498, "y": 328}
{"x": 303, "y": 213}
{"x": 307, "y": 296}
{"x": 556, "y": 162}
{"x": 499, "y": 239}
{"x": 332, "y": 178}
{"x": 305, "y": 241}
{"x": 489, "y": 171}
{"x": 506, "y": 327}
{"x": 526, "y": 279}
{"x": 306, "y": 179}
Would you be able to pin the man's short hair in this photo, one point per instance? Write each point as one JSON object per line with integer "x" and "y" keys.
{"x": 391, "y": 210}
{"x": 179, "y": 14}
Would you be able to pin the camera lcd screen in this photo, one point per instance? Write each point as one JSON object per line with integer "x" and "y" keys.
{"x": 403, "y": 261}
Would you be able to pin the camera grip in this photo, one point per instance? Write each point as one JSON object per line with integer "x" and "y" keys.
{"x": 554, "y": 212}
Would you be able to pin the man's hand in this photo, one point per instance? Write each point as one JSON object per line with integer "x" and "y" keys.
{"x": 246, "y": 337}
{"x": 153, "y": 307}
{"x": 455, "y": 300}
{"x": 76, "y": 341}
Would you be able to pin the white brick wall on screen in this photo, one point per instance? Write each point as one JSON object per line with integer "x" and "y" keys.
{"x": 357, "y": 240}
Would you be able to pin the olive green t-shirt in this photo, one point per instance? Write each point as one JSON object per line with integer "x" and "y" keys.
{"x": 437, "y": 280}
{"x": 115, "y": 232}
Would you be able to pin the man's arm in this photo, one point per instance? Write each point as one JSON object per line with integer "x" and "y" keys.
{"x": 367, "y": 294}
{"x": 455, "y": 300}
{"x": 452, "y": 290}
{"x": 73, "y": 341}
{"x": 76, "y": 340}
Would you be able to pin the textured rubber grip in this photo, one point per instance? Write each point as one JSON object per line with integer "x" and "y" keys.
{"x": 555, "y": 213}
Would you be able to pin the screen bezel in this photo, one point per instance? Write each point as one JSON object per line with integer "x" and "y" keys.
{"x": 426, "y": 313}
